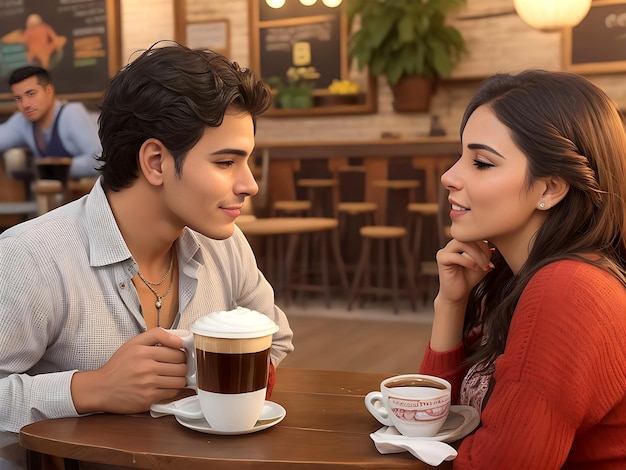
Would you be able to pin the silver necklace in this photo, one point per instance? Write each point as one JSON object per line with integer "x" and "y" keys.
{"x": 159, "y": 298}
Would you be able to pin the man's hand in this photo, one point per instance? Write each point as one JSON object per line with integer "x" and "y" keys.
{"x": 149, "y": 368}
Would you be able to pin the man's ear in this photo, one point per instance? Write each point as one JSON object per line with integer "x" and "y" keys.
{"x": 555, "y": 191}
{"x": 151, "y": 156}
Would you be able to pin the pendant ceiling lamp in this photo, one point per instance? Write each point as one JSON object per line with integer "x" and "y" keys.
{"x": 552, "y": 15}
{"x": 308, "y": 3}
{"x": 275, "y": 3}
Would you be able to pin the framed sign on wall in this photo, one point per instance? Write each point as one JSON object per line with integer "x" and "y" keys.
{"x": 290, "y": 40}
{"x": 78, "y": 42}
{"x": 214, "y": 35}
{"x": 598, "y": 43}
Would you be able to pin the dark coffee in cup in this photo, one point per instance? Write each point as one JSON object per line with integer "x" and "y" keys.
{"x": 232, "y": 365}
{"x": 415, "y": 382}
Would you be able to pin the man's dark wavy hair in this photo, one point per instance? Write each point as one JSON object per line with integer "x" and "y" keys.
{"x": 170, "y": 93}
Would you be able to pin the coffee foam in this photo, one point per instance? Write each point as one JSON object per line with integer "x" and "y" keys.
{"x": 237, "y": 323}
{"x": 232, "y": 345}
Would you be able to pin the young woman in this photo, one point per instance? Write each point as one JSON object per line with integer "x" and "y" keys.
{"x": 530, "y": 318}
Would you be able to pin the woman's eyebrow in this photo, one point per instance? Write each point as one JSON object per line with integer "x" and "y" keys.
{"x": 484, "y": 147}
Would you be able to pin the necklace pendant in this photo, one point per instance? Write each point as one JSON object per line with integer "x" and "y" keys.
{"x": 158, "y": 303}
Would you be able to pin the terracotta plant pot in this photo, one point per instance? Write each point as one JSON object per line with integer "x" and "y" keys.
{"x": 412, "y": 94}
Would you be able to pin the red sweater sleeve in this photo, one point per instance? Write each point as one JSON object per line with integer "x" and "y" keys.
{"x": 447, "y": 366}
{"x": 271, "y": 380}
{"x": 560, "y": 385}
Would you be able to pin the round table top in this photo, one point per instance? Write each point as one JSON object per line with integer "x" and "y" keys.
{"x": 317, "y": 183}
{"x": 397, "y": 184}
{"x": 286, "y": 225}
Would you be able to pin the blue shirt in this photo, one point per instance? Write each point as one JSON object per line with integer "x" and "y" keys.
{"x": 76, "y": 131}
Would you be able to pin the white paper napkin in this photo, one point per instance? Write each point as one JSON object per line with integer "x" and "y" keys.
{"x": 461, "y": 421}
{"x": 389, "y": 441}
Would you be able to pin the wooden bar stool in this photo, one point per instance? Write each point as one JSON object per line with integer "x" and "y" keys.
{"x": 49, "y": 195}
{"x": 303, "y": 235}
{"x": 320, "y": 191}
{"x": 425, "y": 270}
{"x": 399, "y": 194}
{"x": 391, "y": 239}
{"x": 352, "y": 216}
{"x": 353, "y": 211}
{"x": 285, "y": 208}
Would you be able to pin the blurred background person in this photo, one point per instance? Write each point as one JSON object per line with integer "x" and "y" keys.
{"x": 48, "y": 127}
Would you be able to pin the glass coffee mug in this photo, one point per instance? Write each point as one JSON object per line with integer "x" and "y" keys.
{"x": 228, "y": 360}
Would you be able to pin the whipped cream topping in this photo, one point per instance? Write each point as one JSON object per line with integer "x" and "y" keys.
{"x": 240, "y": 322}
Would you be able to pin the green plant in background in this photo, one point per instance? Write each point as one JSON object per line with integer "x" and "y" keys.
{"x": 400, "y": 38}
{"x": 296, "y": 91}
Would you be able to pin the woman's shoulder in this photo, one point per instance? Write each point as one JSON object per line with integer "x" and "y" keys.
{"x": 574, "y": 271}
{"x": 576, "y": 283}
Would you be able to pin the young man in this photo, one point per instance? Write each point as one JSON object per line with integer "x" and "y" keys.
{"x": 83, "y": 288}
{"x": 47, "y": 126}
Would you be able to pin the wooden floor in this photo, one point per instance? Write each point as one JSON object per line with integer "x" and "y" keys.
{"x": 373, "y": 340}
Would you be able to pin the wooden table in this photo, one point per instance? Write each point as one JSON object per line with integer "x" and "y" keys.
{"x": 327, "y": 427}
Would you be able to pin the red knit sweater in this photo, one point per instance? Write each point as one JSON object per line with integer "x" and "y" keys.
{"x": 559, "y": 398}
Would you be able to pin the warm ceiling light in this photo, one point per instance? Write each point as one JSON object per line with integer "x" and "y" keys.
{"x": 308, "y": 3}
{"x": 552, "y": 15}
{"x": 275, "y": 3}
{"x": 331, "y": 3}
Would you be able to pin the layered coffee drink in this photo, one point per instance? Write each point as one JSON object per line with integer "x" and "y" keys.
{"x": 232, "y": 365}
{"x": 232, "y": 356}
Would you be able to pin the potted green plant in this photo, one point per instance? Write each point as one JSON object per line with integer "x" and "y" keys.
{"x": 297, "y": 90}
{"x": 407, "y": 41}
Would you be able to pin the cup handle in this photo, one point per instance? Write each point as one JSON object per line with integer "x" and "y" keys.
{"x": 190, "y": 352}
{"x": 374, "y": 404}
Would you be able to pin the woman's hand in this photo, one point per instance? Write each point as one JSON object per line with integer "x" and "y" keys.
{"x": 461, "y": 266}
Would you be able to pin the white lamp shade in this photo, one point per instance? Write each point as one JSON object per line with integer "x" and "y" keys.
{"x": 331, "y": 3}
{"x": 308, "y": 3}
{"x": 552, "y": 15}
{"x": 275, "y": 3}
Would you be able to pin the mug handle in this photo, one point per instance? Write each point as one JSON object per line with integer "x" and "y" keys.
{"x": 190, "y": 352}
{"x": 374, "y": 404}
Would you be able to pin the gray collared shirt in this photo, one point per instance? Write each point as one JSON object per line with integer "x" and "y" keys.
{"x": 67, "y": 302}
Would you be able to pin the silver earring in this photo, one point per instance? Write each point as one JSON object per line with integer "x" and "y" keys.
{"x": 542, "y": 205}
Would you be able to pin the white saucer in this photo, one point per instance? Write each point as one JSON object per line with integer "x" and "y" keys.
{"x": 461, "y": 421}
{"x": 272, "y": 414}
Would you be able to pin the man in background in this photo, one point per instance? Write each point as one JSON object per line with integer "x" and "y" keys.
{"x": 47, "y": 126}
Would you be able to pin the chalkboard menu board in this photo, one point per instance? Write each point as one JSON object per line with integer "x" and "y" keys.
{"x": 598, "y": 43}
{"x": 307, "y": 37}
{"x": 77, "y": 41}
{"x": 324, "y": 37}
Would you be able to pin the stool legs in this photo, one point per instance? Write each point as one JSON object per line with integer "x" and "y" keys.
{"x": 361, "y": 281}
{"x": 313, "y": 246}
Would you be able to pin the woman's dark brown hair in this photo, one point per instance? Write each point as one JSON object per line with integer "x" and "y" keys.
{"x": 567, "y": 127}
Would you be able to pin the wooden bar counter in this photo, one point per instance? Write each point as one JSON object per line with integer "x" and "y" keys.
{"x": 432, "y": 154}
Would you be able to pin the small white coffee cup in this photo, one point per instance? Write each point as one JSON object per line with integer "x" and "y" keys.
{"x": 228, "y": 365}
{"x": 416, "y": 405}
